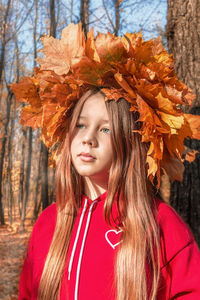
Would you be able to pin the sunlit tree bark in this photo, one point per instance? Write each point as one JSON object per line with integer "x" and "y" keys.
{"x": 9, "y": 170}
{"x": 3, "y": 39}
{"x": 183, "y": 35}
{"x": 84, "y": 15}
{"x": 52, "y": 18}
{"x": 117, "y": 15}
{"x": 115, "y": 24}
{"x": 3, "y": 150}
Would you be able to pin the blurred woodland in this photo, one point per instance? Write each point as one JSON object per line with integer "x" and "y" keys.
{"x": 26, "y": 181}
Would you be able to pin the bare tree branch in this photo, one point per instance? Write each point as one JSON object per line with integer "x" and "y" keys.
{"x": 109, "y": 18}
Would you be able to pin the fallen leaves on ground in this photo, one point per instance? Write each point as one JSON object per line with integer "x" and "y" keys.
{"x": 13, "y": 247}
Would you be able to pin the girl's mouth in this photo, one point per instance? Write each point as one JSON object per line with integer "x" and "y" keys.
{"x": 86, "y": 157}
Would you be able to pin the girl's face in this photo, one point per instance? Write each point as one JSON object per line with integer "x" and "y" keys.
{"x": 91, "y": 148}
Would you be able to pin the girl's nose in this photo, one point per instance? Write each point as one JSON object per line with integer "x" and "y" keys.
{"x": 90, "y": 138}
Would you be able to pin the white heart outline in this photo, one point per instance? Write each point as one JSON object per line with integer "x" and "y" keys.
{"x": 109, "y": 242}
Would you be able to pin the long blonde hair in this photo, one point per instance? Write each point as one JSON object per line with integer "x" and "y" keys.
{"x": 128, "y": 180}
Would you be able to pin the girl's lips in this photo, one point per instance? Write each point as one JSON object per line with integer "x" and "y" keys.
{"x": 86, "y": 157}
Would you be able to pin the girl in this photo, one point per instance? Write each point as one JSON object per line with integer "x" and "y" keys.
{"x": 107, "y": 236}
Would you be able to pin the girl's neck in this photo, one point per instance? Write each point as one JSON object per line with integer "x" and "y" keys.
{"x": 93, "y": 189}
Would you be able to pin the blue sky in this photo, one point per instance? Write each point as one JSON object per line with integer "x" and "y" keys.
{"x": 145, "y": 15}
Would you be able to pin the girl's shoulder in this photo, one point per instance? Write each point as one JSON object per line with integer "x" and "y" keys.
{"x": 171, "y": 224}
{"x": 175, "y": 235}
{"x": 49, "y": 211}
{"x": 169, "y": 220}
{"x": 45, "y": 224}
{"x": 48, "y": 215}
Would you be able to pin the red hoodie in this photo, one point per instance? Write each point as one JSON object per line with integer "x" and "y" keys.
{"x": 89, "y": 270}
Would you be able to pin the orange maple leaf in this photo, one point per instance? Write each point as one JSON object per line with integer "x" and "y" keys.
{"x": 31, "y": 116}
{"x": 157, "y": 46}
{"x": 26, "y": 91}
{"x": 172, "y": 166}
{"x": 124, "y": 84}
{"x": 116, "y": 94}
{"x": 194, "y": 123}
{"x": 191, "y": 155}
{"x": 62, "y": 54}
{"x": 130, "y": 66}
{"x": 90, "y": 48}
{"x": 110, "y": 48}
{"x": 131, "y": 41}
{"x": 173, "y": 94}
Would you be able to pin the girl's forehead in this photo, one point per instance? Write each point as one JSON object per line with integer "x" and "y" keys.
{"x": 94, "y": 106}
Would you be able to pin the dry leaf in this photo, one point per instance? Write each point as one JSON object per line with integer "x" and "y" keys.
{"x": 173, "y": 167}
{"x": 31, "y": 117}
{"x": 194, "y": 123}
{"x": 191, "y": 155}
{"x": 26, "y": 91}
{"x": 56, "y": 58}
{"x": 61, "y": 54}
{"x": 123, "y": 83}
{"x": 90, "y": 47}
{"x": 110, "y": 49}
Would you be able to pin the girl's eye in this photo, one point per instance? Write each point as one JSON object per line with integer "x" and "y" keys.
{"x": 105, "y": 130}
{"x": 80, "y": 126}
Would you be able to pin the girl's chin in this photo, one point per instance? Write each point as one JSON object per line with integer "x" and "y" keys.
{"x": 87, "y": 171}
{"x": 89, "y": 175}
{"x": 93, "y": 173}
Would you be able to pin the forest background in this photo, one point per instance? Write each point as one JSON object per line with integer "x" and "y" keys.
{"x": 26, "y": 181}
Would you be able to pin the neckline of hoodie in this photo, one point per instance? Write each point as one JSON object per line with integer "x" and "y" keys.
{"x": 115, "y": 220}
{"x": 89, "y": 201}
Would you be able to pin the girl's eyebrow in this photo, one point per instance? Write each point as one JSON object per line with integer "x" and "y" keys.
{"x": 82, "y": 117}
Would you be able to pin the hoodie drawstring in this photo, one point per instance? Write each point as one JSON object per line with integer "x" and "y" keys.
{"x": 81, "y": 251}
{"x": 76, "y": 239}
{"x": 82, "y": 245}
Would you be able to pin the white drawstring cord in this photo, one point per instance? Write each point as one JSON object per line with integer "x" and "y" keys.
{"x": 81, "y": 251}
{"x": 76, "y": 239}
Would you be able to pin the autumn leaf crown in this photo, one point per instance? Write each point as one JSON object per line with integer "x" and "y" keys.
{"x": 142, "y": 72}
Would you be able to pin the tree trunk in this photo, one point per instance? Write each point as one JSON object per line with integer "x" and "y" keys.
{"x": 35, "y": 34}
{"x": 3, "y": 39}
{"x": 117, "y": 16}
{"x": 84, "y": 13}
{"x": 52, "y": 18}
{"x": 44, "y": 176}
{"x": 9, "y": 171}
{"x": 22, "y": 185}
{"x": 38, "y": 178}
{"x": 3, "y": 148}
{"x": 71, "y": 10}
{"x": 28, "y": 171}
{"x": 183, "y": 35}
{"x": 21, "y": 182}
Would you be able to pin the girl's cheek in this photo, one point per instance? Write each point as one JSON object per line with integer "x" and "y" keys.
{"x": 77, "y": 134}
